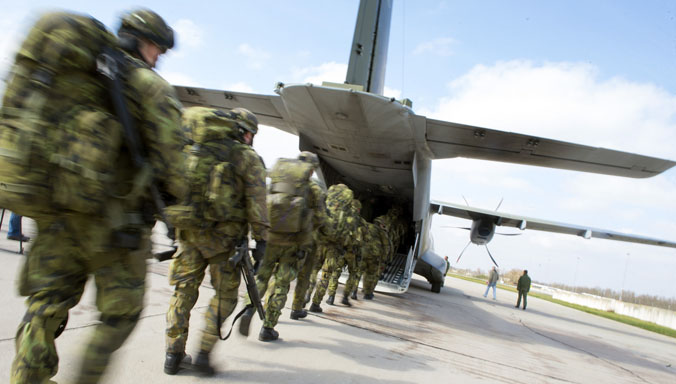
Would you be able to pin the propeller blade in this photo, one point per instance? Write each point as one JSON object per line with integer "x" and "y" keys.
{"x": 491, "y": 256}
{"x": 463, "y": 251}
{"x": 463, "y": 197}
{"x": 508, "y": 234}
{"x": 499, "y": 204}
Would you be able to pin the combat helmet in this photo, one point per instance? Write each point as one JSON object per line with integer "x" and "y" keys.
{"x": 310, "y": 158}
{"x": 245, "y": 119}
{"x": 146, "y": 24}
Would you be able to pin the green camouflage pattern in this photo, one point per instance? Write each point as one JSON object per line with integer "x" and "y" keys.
{"x": 372, "y": 250}
{"x": 331, "y": 256}
{"x": 57, "y": 57}
{"x": 212, "y": 195}
{"x": 65, "y": 252}
{"x": 147, "y": 24}
{"x": 289, "y": 199}
{"x": 71, "y": 246}
{"x": 214, "y": 246}
{"x": 316, "y": 218}
{"x": 349, "y": 260}
{"x": 281, "y": 262}
{"x": 186, "y": 273}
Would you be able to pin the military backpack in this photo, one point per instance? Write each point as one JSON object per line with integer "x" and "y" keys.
{"x": 212, "y": 196}
{"x": 287, "y": 199}
{"x": 59, "y": 140}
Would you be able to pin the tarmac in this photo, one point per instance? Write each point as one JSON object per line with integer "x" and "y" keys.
{"x": 414, "y": 337}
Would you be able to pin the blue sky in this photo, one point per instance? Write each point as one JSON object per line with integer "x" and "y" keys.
{"x": 600, "y": 73}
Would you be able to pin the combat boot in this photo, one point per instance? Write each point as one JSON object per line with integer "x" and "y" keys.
{"x": 202, "y": 365}
{"x": 368, "y": 296}
{"x": 298, "y": 314}
{"x": 245, "y": 321}
{"x": 330, "y": 300}
{"x": 173, "y": 362}
{"x": 346, "y": 301}
{"x": 268, "y": 334}
{"x": 315, "y": 308}
{"x": 354, "y": 295}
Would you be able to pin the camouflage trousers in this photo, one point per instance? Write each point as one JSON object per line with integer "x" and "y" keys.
{"x": 65, "y": 252}
{"x": 349, "y": 259}
{"x": 332, "y": 254}
{"x": 315, "y": 257}
{"x": 186, "y": 273}
{"x": 371, "y": 270}
{"x": 282, "y": 261}
{"x": 352, "y": 283}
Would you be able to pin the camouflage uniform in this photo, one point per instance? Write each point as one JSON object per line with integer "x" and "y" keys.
{"x": 70, "y": 247}
{"x": 313, "y": 260}
{"x": 371, "y": 251}
{"x": 213, "y": 247}
{"x": 283, "y": 251}
{"x": 343, "y": 216}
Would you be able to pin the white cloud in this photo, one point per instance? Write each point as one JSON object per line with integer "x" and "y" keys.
{"x": 392, "y": 92}
{"x": 256, "y": 58}
{"x": 188, "y": 34}
{"x": 176, "y": 78}
{"x": 440, "y": 46}
{"x": 563, "y": 101}
{"x": 271, "y": 144}
{"x": 239, "y": 87}
{"x": 566, "y": 101}
{"x": 331, "y": 71}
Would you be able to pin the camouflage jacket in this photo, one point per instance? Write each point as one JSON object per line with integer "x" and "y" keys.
{"x": 249, "y": 182}
{"x": 156, "y": 111}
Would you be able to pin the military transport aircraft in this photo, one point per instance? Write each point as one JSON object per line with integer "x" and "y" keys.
{"x": 382, "y": 150}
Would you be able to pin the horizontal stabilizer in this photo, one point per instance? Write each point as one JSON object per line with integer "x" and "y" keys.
{"x": 448, "y": 140}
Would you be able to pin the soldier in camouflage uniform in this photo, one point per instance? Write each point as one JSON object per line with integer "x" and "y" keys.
{"x": 373, "y": 272}
{"x": 214, "y": 246}
{"x": 313, "y": 258}
{"x": 71, "y": 246}
{"x": 341, "y": 225}
{"x": 350, "y": 258}
{"x": 286, "y": 247}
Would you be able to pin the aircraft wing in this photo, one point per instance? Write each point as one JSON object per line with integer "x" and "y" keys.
{"x": 522, "y": 222}
{"x": 447, "y": 140}
{"x": 268, "y": 108}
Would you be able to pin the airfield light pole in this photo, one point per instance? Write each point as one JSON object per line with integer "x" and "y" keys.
{"x": 624, "y": 277}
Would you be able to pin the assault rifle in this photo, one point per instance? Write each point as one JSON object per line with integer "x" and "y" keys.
{"x": 108, "y": 64}
{"x": 241, "y": 258}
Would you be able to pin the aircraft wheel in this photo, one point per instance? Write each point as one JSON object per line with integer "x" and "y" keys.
{"x": 436, "y": 287}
